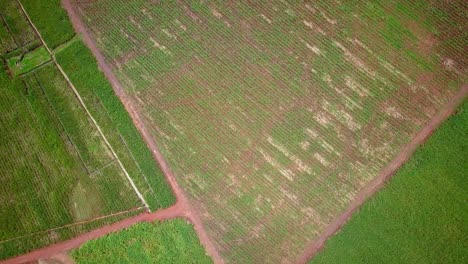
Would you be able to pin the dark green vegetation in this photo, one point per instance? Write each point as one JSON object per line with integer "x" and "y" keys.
{"x": 274, "y": 115}
{"x": 57, "y": 173}
{"x": 421, "y": 216}
{"x": 172, "y": 241}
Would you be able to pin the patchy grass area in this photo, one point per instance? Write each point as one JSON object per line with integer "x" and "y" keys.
{"x": 274, "y": 115}
{"x": 26, "y": 62}
{"x": 421, "y": 216}
{"x": 171, "y": 241}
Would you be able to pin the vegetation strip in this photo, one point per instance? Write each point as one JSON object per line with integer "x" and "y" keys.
{"x": 65, "y": 45}
{"x": 170, "y": 241}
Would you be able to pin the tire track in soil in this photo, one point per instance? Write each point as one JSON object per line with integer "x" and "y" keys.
{"x": 131, "y": 107}
{"x": 316, "y": 245}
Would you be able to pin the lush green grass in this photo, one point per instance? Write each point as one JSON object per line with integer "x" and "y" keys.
{"x": 51, "y": 20}
{"x": 421, "y": 216}
{"x": 24, "y": 63}
{"x": 45, "y": 180}
{"x": 106, "y": 108}
{"x": 172, "y": 241}
{"x": 66, "y": 44}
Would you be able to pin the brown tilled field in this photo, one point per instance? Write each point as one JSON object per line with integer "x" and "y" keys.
{"x": 276, "y": 116}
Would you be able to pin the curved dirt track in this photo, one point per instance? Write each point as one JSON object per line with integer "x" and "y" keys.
{"x": 386, "y": 174}
{"x": 190, "y": 214}
{"x": 177, "y": 210}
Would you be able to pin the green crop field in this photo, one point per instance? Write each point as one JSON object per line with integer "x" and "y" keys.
{"x": 171, "y": 241}
{"x": 64, "y": 163}
{"x": 421, "y": 216}
{"x": 273, "y": 115}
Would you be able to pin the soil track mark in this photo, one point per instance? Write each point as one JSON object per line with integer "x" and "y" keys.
{"x": 385, "y": 175}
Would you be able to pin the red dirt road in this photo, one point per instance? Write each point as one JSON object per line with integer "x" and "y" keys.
{"x": 386, "y": 174}
{"x": 130, "y": 106}
{"x": 175, "y": 211}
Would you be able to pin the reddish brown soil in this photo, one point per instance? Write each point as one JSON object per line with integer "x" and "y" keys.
{"x": 386, "y": 174}
{"x": 177, "y": 210}
{"x": 131, "y": 108}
